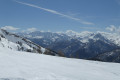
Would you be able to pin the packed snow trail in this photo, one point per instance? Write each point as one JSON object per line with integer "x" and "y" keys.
{"x": 16, "y": 65}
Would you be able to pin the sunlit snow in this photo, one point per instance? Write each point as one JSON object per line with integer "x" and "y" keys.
{"x": 16, "y": 65}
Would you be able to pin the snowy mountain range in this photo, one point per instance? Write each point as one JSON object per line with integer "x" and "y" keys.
{"x": 17, "y": 43}
{"x": 100, "y": 46}
{"x": 83, "y": 45}
{"x": 18, "y": 63}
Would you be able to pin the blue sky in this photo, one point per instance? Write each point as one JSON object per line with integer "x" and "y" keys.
{"x": 60, "y": 15}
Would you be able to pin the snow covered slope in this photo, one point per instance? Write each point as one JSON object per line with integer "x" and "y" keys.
{"x": 17, "y": 43}
{"x": 16, "y": 65}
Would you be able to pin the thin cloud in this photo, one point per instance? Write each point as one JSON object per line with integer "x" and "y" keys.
{"x": 10, "y": 28}
{"x": 30, "y": 30}
{"x": 112, "y": 28}
{"x": 56, "y": 12}
{"x": 92, "y": 28}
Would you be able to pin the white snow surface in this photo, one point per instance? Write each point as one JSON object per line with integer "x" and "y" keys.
{"x": 15, "y": 65}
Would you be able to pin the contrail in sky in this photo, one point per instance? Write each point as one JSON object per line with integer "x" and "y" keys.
{"x": 55, "y": 12}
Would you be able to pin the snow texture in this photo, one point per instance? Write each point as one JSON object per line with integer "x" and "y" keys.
{"x": 15, "y": 65}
